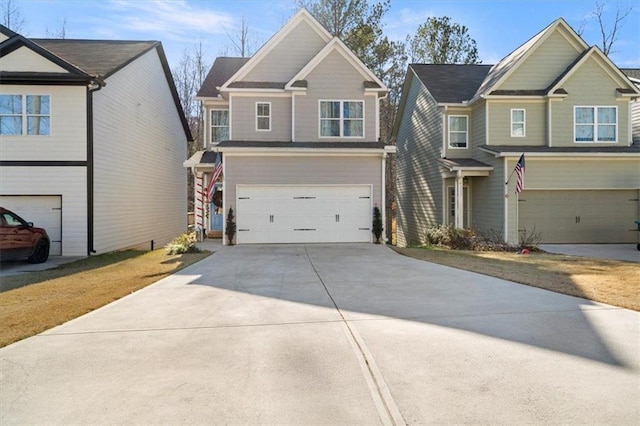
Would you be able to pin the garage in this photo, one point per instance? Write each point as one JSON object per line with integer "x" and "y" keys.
{"x": 303, "y": 214}
{"x": 593, "y": 216}
{"x": 44, "y": 211}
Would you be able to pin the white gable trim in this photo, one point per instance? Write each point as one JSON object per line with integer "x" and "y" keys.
{"x": 300, "y": 16}
{"x": 337, "y": 45}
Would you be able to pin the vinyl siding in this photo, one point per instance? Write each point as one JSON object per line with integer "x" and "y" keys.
{"x": 459, "y": 152}
{"x": 68, "y": 121}
{"x": 26, "y": 60}
{"x": 635, "y": 120}
{"x": 544, "y": 65}
{"x": 478, "y": 125}
{"x": 288, "y": 56}
{"x": 68, "y": 182}
{"x": 583, "y": 92}
{"x": 140, "y": 184}
{"x": 244, "y": 119}
{"x": 535, "y": 123}
{"x": 301, "y": 170}
{"x": 418, "y": 181}
{"x": 487, "y": 197}
{"x": 333, "y": 79}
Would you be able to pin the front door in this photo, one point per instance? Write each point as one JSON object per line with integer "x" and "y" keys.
{"x": 451, "y": 206}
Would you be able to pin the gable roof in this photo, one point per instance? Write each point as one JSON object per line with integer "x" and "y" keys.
{"x": 451, "y": 83}
{"x": 221, "y": 70}
{"x": 632, "y": 73}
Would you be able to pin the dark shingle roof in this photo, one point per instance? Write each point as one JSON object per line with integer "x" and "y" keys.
{"x": 317, "y": 145}
{"x": 451, "y": 83}
{"x": 257, "y": 85}
{"x": 631, "y": 72}
{"x": 97, "y": 57}
{"x": 221, "y": 71}
{"x": 498, "y": 149}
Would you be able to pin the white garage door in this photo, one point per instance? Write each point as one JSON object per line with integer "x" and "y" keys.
{"x": 45, "y": 211}
{"x": 303, "y": 214}
{"x": 581, "y": 216}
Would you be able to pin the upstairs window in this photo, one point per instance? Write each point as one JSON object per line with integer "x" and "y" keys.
{"x": 596, "y": 124}
{"x": 25, "y": 115}
{"x": 263, "y": 116}
{"x": 458, "y": 131}
{"x": 517, "y": 123}
{"x": 342, "y": 119}
{"x": 219, "y": 125}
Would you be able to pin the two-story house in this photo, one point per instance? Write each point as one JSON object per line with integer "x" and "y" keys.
{"x": 461, "y": 129}
{"x": 297, "y": 127}
{"x": 92, "y": 140}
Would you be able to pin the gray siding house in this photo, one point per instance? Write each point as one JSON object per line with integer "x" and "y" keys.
{"x": 92, "y": 141}
{"x": 461, "y": 129}
{"x": 297, "y": 128}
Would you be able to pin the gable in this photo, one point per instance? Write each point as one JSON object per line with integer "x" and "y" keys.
{"x": 3, "y": 37}
{"x": 24, "y": 59}
{"x": 544, "y": 64}
{"x": 593, "y": 82}
{"x": 336, "y": 74}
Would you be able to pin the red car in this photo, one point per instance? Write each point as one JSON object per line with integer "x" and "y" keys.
{"x": 20, "y": 239}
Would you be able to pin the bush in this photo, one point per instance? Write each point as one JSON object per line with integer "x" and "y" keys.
{"x": 185, "y": 243}
{"x": 450, "y": 237}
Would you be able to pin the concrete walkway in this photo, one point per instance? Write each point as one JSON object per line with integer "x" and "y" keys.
{"x": 329, "y": 334}
{"x": 626, "y": 252}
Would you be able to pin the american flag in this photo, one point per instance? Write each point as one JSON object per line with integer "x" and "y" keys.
{"x": 520, "y": 173}
{"x": 217, "y": 171}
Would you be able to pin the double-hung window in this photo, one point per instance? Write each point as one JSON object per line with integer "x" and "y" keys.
{"x": 458, "y": 131}
{"x": 517, "y": 123}
{"x": 342, "y": 119}
{"x": 263, "y": 116}
{"x": 25, "y": 115}
{"x": 596, "y": 124}
{"x": 219, "y": 125}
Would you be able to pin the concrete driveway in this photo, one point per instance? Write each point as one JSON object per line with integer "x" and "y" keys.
{"x": 321, "y": 334}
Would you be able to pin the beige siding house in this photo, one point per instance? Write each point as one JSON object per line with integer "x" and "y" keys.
{"x": 92, "y": 142}
{"x": 296, "y": 131}
{"x": 554, "y": 101}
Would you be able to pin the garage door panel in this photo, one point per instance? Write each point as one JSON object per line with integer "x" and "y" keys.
{"x": 44, "y": 211}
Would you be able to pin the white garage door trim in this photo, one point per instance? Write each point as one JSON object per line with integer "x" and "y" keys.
{"x": 303, "y": 213}
{"x": 44, "y": 211}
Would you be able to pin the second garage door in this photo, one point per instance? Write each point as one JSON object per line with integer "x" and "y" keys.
{"x": 303, "y": 214}
{"x": 580, "y": 216}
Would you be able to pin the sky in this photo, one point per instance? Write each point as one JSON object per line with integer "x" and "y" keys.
{"x": 498, "y": 27}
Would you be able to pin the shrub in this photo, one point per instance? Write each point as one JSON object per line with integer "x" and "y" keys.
{"x": 467, "y": 239}
{"x": 231, "y": 226}
{"x": 185, "y": 243}
{"x": 377, "y": 224}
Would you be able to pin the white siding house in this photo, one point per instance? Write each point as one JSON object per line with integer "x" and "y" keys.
{"x": 103, "y": 169}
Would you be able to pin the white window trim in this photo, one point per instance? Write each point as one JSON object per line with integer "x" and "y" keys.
{"x": 263, "y": 116}
{"x": 24, "y": 115}
{"x": 523, "y": 122}
{"x": 341, "y": 136}
{"x": 595, "y": 123}
{"x": 449, "y": 132}
{"x": 211, "y": 125}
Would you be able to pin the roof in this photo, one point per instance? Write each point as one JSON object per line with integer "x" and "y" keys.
{"x": 451, "y": 83}
{"x": 221, "y": 70}
{"x": 312, "y": 145}
{"x": 583, "y": 148}
{"x": 97, "y": 57}
{"x": 631, "y": 72}
{"x": 463, "y": 163}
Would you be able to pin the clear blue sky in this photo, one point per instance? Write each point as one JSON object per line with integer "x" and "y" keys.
{"x": 497, "y": 26}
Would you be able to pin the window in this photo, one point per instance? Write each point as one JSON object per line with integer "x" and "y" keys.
{"x": 263, "y": 115}
{"x": 25, "y": 115}
{"x": 342, "y": 119}
{"x": 458, "y": 131}
{"x": 517, "y": 123}
{"x": 219, "y": 125}
{"x": 596, "y": 124}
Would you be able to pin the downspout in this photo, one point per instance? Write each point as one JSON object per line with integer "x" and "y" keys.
{"x": 93, "y": 86}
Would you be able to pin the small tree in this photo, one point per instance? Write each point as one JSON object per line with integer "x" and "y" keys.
{"x": 377, "y": 224}
{"x": 231, "y": 226}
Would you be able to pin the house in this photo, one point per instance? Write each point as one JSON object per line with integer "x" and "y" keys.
{"x": 92, "y": 140}
{"x": 296, "y": 130}
{"x": 461, "y": 129}
{"x": 634, "y": 76}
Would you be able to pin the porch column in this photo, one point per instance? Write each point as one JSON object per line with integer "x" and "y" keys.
{"x": 199, "y": 204}
{"x": 459, "y": 207}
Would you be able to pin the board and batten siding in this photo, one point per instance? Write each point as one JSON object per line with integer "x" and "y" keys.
{"x": 419, "y": 186}
{"x": 67, "y": 140}
{"x": 583, "y": 92}
{"x": 544, "y": 65}
{"x": 301, "y": 170}
{"x": 535, "y": 123}
{"x": 333, "y": 79}
{"x": 288, "y": 56}
{"x": 244, "y": 118}
{"x": 139, "y": 146}
{"x": 70, "y": 183}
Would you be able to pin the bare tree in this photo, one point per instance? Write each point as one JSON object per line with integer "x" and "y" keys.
{"x": 243, "y": 44}
{"x": 12, "y": 15}
{"x": 61, "y": 32}
{"x": 609, "y": 27}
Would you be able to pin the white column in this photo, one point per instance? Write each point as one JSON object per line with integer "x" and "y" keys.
{"x": 383, "y": 197}
{"x": 459, "y": 191}
{"x": 199, "y": 205}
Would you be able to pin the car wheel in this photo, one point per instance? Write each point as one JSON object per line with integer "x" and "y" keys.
{"x": 41, "y": 253}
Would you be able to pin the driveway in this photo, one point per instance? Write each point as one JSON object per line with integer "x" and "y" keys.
{"x": 626, "y": 252}
{"x": 329, "y": 334}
